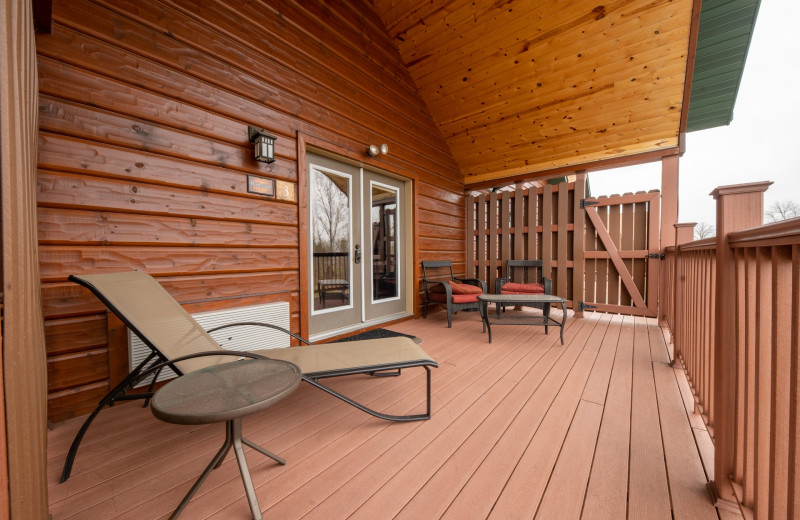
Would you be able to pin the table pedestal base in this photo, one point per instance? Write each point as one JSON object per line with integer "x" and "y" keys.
{"x": 233, "y": 438}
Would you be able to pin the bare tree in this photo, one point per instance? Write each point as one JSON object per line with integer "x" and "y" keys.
{"x": 703, "y": 230}
{"x": 782, "y": 210}
{"x": 331, "y": 215}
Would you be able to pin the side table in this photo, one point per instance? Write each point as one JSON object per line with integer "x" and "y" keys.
{"x": 537, "y": 300}
{"x": 227, "y": 392}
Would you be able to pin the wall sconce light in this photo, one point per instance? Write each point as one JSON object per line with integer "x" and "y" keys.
{"x": 264, "y": 144}
{"x": 374, "y": 151}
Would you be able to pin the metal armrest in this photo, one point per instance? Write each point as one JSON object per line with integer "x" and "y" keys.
{"x": 498, "y": 284}
{"x": 208, "y": 353}
{"x": 472, "y": 281}
{"x": 430, "y": 284}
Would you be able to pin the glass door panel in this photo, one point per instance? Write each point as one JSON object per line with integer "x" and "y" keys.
{"x": 332, "y": 237}
{"x": 384, "y": 239}
{"x": 356, "y": 238}
{"x": 383, "y": 227}
{"x": 335, "y": 291}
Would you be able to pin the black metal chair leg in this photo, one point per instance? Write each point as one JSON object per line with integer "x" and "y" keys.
{"x": 76, "y": 442}
{"x": 150, "y": 388}
{"x": 108, "y": 400}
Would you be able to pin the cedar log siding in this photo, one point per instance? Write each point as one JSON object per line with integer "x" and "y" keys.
{"x": 144, "y": 157}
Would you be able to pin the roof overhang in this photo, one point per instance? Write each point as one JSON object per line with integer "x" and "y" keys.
{"x": 725, "y": 32}
{"x": 524, "y": 90}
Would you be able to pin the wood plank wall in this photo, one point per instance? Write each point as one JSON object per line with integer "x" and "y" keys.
{"x": 144, "y": 155}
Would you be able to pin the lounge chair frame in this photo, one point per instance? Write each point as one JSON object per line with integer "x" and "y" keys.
{"x": 157, "y": 361}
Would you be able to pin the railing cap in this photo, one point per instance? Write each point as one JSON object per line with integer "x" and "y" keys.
{"x": 783, "y": 232}
{"x": 734, "y": 189}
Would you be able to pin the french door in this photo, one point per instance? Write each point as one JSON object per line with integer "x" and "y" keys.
{"x": 357, "y": 238}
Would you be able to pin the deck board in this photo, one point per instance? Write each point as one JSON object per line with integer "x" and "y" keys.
{"x": 532, "y": 472}
{"x": 649, "y": 494}
{"x": 607, "y": 492}
{"x": 521, "y": 428}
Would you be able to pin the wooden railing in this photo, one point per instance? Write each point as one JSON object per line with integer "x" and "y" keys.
{"x": 331, "y": 265}
{"x": 690, "y": 308}
{"x": 766, "y": 468}
{"x": 732, "y": 305}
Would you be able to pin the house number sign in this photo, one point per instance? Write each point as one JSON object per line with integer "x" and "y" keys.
{"x": 260, "y": 185}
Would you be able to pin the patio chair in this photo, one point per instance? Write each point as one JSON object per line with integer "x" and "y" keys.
{"x": 524, "y": 277}
{"x": 178, "y": 341}
{"x": 442, "y": 288}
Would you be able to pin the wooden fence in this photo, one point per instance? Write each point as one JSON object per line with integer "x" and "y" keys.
{"x": 732, "y": 305}
{"x": 598, "y": 252}
{"x": 528, "y": 224}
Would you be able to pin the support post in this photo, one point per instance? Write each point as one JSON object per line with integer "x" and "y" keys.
{"x": 669, "y": 199}
{"x": 739, "y": 207}
{"x": 578, "y": 241}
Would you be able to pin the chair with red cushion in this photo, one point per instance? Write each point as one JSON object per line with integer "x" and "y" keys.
{"x": 524, "y": 277}
{"x": 442, "y": 288}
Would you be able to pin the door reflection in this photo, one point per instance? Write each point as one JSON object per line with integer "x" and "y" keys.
{"x": 331, "y": 236}
{"x": 384, "y": 241}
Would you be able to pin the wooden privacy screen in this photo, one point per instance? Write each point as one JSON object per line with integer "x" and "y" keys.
{"x": 613, "y": 240}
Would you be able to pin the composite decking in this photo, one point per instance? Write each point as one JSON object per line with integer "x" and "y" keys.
{"x": 601, "y": 427}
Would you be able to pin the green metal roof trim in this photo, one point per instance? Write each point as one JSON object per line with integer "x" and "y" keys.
{"x": 726, "y": 28}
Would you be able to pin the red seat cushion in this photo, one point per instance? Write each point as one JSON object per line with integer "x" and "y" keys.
{"x": 522, "y": 288}
{"x": 465, "y": 288}
{"x": 457, "y": 298}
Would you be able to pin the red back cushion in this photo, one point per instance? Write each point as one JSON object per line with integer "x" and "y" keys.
{"x": 522, "y": 288}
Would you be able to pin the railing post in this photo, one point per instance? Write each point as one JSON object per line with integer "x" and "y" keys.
{"x": 739, "y": 207}
{"x": 684, "y": 233}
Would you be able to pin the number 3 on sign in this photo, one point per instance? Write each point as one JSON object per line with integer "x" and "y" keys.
{"x": 285, "y": 190}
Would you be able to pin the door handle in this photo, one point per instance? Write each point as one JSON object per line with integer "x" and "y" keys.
{"x": 357, "y": 254}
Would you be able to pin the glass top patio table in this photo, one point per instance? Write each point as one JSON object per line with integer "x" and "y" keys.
{"x": 538, "y": 300}
{"x": 227, "y": 392}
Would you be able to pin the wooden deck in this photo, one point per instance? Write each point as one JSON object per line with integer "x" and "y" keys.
{"x": 523, "y": 427}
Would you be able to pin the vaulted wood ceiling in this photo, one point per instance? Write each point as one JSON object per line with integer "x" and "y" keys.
{"x": 525, "y": 88}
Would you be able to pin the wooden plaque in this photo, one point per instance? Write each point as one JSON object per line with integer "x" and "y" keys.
{"x": 285, "y": 191}
{"x": 260, "y": 185}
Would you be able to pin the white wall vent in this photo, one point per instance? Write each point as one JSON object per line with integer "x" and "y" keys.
{"x": 235, "y": 338}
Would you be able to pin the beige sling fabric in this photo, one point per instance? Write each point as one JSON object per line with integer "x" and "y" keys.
{"x": 157, "y": 316}
{"x": 351, "y": 354}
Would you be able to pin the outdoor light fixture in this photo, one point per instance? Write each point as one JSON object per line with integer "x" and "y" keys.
{"x": 374, "y": 151}
{"x": 264, "y": 144}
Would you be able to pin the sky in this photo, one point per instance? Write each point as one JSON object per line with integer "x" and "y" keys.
{"x": 762, "y": 142}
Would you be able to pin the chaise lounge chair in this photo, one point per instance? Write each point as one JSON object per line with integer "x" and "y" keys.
{"x": 171, "y": 333}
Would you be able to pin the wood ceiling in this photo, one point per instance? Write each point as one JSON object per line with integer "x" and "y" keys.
{"x": 526, "y": 88}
